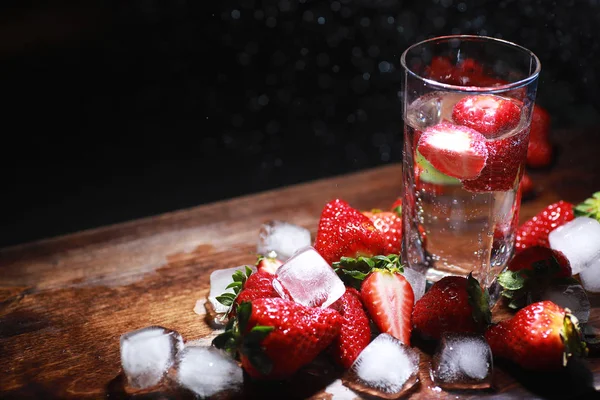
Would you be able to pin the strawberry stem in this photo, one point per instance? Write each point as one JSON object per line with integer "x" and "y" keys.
{"x": 479, "y": 299}
{"x": 572, "y": 338}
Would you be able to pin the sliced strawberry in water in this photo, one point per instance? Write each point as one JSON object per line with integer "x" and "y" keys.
{"x": 389, "y": 299}
{"x": 488, "y": 114}
{"x": 505, "y": 162}
{"x": 454, "y": 150}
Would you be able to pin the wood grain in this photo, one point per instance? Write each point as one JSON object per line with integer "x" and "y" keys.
{"x": 64, "y": 302}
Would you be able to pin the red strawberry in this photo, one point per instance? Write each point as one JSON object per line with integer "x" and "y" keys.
{"x": 390, "y": 225}
{"x": 258, "y": 286}
{"x": 276, "y": 337}
{"x": 454, "y": 150}
{"x": 268, "y": 264}
{"x": 355, "y": 332}
{"x": 442, "y": 70}
{"x": 345, "y": 232}
{"x": 541, "y": 336}
{"x": 389, "y": 299}
{"x": 539, "y": 151}
{"x": 530, "y": 272}
{"x": 526, "y": 185}
{"x": 526, "y": 259}
{"x": 488, "y": 114}
{"x": 452, "y": 304}
{"x": 506, "y": 158}
{"x": 535, "y": 231}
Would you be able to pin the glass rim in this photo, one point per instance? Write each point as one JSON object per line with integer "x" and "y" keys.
{"x": 463, "y": 88}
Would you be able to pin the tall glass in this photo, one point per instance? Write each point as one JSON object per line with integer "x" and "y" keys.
{"x": 468, "y": 102}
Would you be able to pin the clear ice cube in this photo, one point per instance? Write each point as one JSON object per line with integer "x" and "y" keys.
{"x": 147, "y": 354}
{"x": 462, "y": 361}
{"x": 572, "y": 297}
{"x": 282, "y": 238}
{"x": 219, "y": 280}
{"x": 417, "y": 281}
{"x": 590, "y": 277}
{"x": 309, "y": 280}
{"x": 579, "y": 240}
{"x": 207, "y": 371}
{"x": 385, "y": 368}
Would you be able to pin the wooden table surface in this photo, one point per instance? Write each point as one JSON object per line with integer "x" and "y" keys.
{"x": 64, "y": 302}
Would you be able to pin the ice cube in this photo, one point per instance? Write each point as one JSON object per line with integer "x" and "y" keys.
{"x": 385, "y": 368}
{"x": 338, "y": 391}
{"x": 579, "y": 240}
{"x": 572, "y": 297}
{"x": 147, "y": 353}
{"x": 283, "y": 238}
{"x": 590, "y": 277}
{"x": 462, "y": 361}
{"x": 417, "y": 282}
{"x": 219, "y": 280}
{"x": 309, "y": 280}
{"x": 207, "y": 371}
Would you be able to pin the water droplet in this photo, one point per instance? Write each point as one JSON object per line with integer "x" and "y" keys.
{"x": 235, "y": 14}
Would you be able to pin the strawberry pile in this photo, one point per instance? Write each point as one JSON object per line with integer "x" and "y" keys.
{"x": 274, "y": 337}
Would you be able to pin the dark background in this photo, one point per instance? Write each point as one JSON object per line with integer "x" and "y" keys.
{"x": 115, "y": 110}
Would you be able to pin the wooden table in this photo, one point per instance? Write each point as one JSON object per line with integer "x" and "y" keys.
{"x": 64, "y": 302}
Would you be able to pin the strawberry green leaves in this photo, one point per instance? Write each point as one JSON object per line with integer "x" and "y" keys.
{"x": 518, "y": 286}
{"x": 239, "y": 278}
{"x": 354, "y": 270}
{"x": 479, "y": 300}
{"x": 237, "y": 338}
{"x": 589, "y": 208}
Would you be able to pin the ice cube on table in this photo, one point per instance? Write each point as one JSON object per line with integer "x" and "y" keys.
{"x": 219, "y": 280}
{"x": 590, "y": 277}
{"x": 579, "y": 240}
{"x": 309, "y": 280}
{"x": 282, "y": 238}
{"x": 385, "y": 368}
{"x": 572, "y": 297}
{"x": 462, "y": 361}
{"x": 147, "y": 354}
{"x": 207, "y": 371}
{"x": 417, "y": 281}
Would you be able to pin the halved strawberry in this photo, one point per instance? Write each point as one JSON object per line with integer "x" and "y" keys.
{"x": 389, "y": 299}
{"x": 268, "y": 264}
{"x": 454, "y": 150}
{"x": 487, "y": 114}
{"x": 506, "y": 159}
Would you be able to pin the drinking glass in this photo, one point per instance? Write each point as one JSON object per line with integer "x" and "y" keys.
{"x": 467, "y": 107}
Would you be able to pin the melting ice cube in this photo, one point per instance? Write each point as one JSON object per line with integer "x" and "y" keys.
{"x": 579, "y": 240}
{"x": 572, "y": 297}
{"x": 309, "y": 280}
{"x": 385, "y": 368}
{"x": 147, "y": 353}
{"x": 462, "y": 361}
{"x": 207, "y": 371}
{"x": 417, "y": 282}
{"x": 283, "y": 238}
{"x": 219, "y": 280}
{"x": 590, "y": 277}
